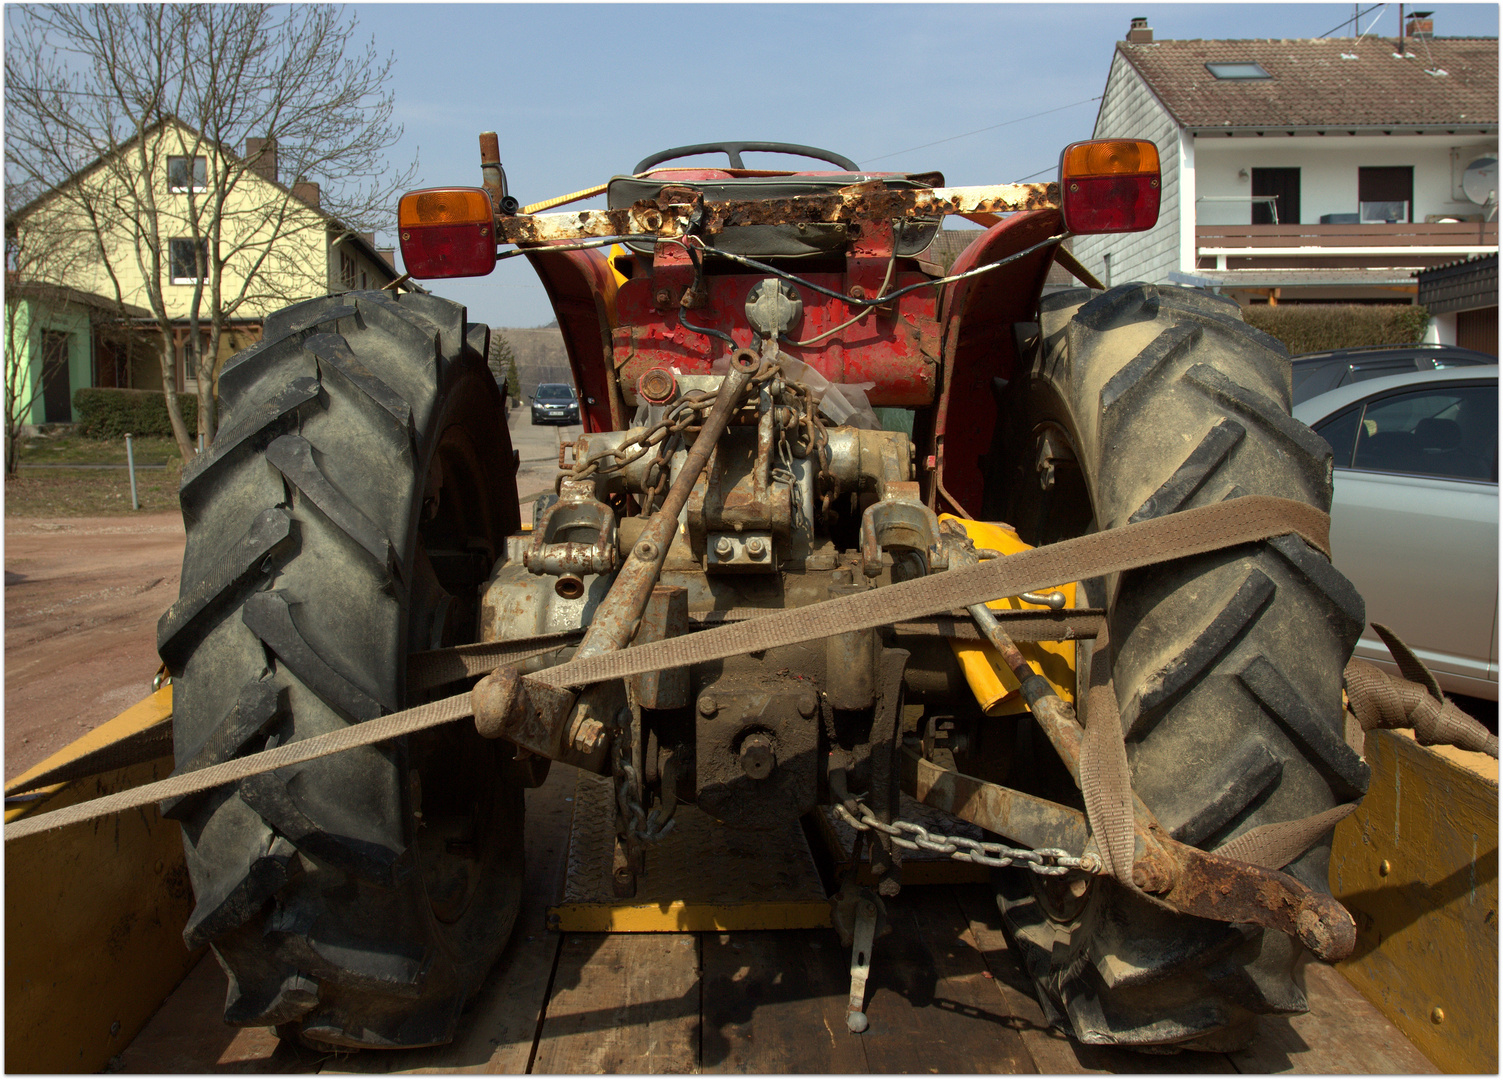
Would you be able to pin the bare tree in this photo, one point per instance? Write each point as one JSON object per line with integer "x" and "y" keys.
{"x": 134, "y": 121}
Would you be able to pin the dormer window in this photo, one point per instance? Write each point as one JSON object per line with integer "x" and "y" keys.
{"x": 1238, "y": 72}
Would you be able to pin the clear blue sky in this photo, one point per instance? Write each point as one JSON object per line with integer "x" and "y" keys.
{"x": 581, "y": 92}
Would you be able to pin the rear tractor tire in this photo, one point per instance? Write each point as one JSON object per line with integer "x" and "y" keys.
{"x": 1227, "y": 666}
{"x": 360, "y": 488}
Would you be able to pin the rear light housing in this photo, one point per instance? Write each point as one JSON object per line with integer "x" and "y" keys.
{"x": 447, "y": 232}
{"x": 1109, "y": 185}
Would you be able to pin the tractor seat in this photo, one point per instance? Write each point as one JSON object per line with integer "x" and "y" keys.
{"x": 777, "y": 241}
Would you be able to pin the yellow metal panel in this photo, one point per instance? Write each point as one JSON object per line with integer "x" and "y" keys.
{"x": 995, "y": 686}
{"x": 630, "y": 917}
{"x": 94, "y": 915}
{"x": 148, "y": 712}
{"x": 701, "y": 876}
{"x": 1417, "y": 866}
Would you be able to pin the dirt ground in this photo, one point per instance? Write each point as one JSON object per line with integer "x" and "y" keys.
{"x": 83, "y": 596}
{"x": 82, "y": 600}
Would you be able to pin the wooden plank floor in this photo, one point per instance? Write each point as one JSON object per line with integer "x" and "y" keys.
{"x": 945, "y": 996}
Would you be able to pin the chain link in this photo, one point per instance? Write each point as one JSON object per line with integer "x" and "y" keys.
{"x": 1050, "y": 862}
{"x": 632, "y": 820}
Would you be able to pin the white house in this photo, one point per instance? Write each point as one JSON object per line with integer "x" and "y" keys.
{"x": 1322, "y": 169}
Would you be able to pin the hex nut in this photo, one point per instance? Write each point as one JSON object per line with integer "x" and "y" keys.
{"x": 708, "y": 706}
{"x": 724, "y": 547}
{"x": 756, "y": 547}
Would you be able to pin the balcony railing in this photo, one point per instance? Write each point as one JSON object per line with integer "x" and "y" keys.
{"x": 1367, "y": 246}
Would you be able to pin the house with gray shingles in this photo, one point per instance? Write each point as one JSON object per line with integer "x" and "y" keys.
{"x": 1322, "y": 169}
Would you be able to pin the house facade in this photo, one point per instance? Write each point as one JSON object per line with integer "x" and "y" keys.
{"x": 1320, "y": 170}
{"x": 278, "y": 245}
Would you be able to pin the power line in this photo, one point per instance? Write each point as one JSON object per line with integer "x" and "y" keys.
{"x": 978, "y": 131}
{"x": 1352, "y": 20}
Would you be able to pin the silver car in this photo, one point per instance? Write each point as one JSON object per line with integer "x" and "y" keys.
{"x": 1414, "y": 518}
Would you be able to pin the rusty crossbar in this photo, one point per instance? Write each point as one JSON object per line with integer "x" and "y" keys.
{"x": 681, "y": 208}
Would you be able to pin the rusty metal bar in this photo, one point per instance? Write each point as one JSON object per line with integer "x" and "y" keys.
{"x": 1022, "y": 818}
{"x": 869, "y": 201}
{"x": 1215, "y": 887}
{"x": 616, "y": 618}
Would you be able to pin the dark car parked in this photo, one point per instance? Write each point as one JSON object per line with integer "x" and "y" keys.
{"x": 1318, "y": 372}
{"x": 555, "y": 403}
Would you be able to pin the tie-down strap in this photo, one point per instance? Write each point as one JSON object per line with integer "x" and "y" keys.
{"x": 1247, "y": 519}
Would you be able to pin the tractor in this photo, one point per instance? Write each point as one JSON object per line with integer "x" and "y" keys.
{"x": 844, "y": 521}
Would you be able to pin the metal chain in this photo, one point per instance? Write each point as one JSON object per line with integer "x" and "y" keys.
{"x": 631, "y": 819}
{"x": 1050, "y": 862}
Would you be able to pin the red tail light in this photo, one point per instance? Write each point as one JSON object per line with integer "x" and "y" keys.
{"x": 447, "y": 232}
{"x": 1109, "y": 185}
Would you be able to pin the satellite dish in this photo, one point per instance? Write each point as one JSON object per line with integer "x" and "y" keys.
{"x": 1480, "y": 181}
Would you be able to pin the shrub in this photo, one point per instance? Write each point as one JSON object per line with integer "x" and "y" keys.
{"x": 109, "y": 414}
{"x": 1313, "y": 327}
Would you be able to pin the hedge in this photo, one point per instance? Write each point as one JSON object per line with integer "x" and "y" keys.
{"x": 109, "y": 414}
{"x": 1312, "y": 327}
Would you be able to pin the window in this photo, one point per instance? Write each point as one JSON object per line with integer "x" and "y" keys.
{"x": 1385, "y": 193}
{"x": 187, "y": 174}
{"x": 1449, "y": 432}
{"x": 1283, "y": 185}
{"x": 1238, "y": 72}
{"x": 185, "y": 263}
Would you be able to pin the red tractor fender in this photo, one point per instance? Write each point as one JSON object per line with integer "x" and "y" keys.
{"x": 582, "y": 289}
{"x": 977, "y": 345}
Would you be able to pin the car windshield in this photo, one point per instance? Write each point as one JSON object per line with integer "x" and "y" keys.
{"x": 555, "y": 392}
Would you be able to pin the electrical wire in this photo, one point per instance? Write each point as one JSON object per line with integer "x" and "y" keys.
{"x": 886, "y": 280}
{"x": 978, "y": 131}
{"x": 890, "y": 297}
{"x": 755, "y": 264}
{"x": 1352, "y": 20}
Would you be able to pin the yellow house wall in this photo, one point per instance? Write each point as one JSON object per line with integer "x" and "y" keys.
{"x": 297, "y": 267}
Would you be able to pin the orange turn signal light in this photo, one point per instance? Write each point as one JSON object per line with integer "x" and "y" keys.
{"x": 1110, "y": 185}
{"x": 447, "y": 232}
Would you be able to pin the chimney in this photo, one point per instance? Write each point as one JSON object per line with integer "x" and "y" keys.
{"x": 264, "y": 165}
{"x": 1420, "y": 25}
{"x": 369, "y": 238}
{"x": 1140, "y": 33}
{"x": 306, "y": 190}
{"x": 390, "y": 255}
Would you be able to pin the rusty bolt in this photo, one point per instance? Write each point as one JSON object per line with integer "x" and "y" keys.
{"x": 858, "y": 293}
{"x": 663, "y": 297}
{"x": 656, "y": 384}
{"x": 708, "y": 706}
{"x": 756, "y": 547}
{"x": 1152, "y": 874}
{"x": 757, "y": 758}
{"x": 724, "y": 547}
{"x": 808, "y": 702}
{"x": 652, "y": 221}
{"x": 646, "y": 551}
{"x": 587, "y": 733}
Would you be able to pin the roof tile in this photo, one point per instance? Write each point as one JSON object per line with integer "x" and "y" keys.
{"x": 1325, "y": 81}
